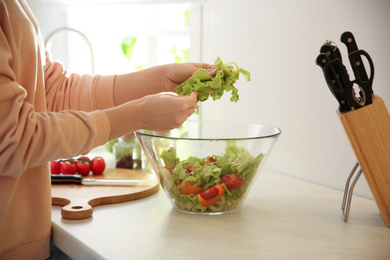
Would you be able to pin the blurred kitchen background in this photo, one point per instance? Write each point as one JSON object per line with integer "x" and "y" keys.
{"x": 276, "y": 40}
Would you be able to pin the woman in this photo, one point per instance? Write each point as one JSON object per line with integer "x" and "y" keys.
{"x": 46, "y": 114}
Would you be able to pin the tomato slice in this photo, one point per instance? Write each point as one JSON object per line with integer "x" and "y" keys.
{"x": 209, "y": 193}
{"x": 170, "y": 168}
{"x": 191, "y": 169}
{"x": 232, "y": 181}
{"x": 209, "y": 160}
{"x": 205, "y": 203}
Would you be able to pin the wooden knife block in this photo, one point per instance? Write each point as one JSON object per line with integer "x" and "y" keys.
{"x": 368, "y": 130}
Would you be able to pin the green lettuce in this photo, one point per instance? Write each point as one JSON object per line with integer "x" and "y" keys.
{"x": 169, "y": 157}
{"x": 214, "y": 87}
{"x": 234, "y": 160}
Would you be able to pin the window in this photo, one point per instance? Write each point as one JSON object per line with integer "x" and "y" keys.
{"x": 125, "y": 37}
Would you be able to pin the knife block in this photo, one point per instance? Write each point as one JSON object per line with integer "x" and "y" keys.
{"x": 368, "y": 130}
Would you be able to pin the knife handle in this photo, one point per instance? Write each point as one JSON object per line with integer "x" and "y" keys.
{"x": 66, "y": 179}
{"x": 356, "y": 61}
{"x": 349, "y": 40}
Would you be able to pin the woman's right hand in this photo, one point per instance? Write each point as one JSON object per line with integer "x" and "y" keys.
{"x": 159, "y": 112}
{"x": 166, "y": 111}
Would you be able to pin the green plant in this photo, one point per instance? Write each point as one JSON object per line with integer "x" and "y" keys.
{"x": 127, "y": 46}
{"x": 181, "y": 55}
{"x": 186, "y": 16}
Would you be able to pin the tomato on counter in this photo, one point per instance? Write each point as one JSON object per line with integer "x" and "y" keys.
{"x": 82, "y": 165}
{"x": 98, "y": 165}
{"x": 68, "y": 168}
{"x": 55, "y": 167}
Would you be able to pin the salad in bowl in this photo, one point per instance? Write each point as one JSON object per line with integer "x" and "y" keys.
{"x": 208, "y": 167}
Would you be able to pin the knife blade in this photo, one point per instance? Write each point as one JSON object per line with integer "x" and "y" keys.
{"x": 80, "y": 180}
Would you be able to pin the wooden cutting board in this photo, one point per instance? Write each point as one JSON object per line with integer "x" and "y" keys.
{"x": 78, "y": 200}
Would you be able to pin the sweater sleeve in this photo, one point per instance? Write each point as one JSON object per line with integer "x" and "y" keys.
{"x": 76, "y": 92}
{"x": 72, "y": 124}
{"x": 30, "y": 138}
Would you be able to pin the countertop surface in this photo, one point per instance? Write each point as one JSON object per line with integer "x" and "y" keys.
{"x": 282, "y": 218}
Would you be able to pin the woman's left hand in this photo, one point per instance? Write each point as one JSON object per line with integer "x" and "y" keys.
{"x": 162, "y": 78}
{"x": 179, "y": 72}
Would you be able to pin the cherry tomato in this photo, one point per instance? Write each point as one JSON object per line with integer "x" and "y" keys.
{"x": 84, "y": 159}
{"x": 68, "y": 168}
{"x": 209, "y": 193}
{"x": 232, "y": 181}
{"x": 55, "y": 167}
{"x": 170, "y": 168}
{"x": 98, "y": 165}
{"x": 209, "y": 160}
{"x": 191, "y": 169}
{"x": 83, "y": 166}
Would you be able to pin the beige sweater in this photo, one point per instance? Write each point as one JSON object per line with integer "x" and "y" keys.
{"x": 45, "y": 114}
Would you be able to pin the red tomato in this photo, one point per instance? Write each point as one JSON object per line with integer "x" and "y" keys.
{"x": 55, "y": 167}
{"x": 98, "y": 165}
{"x": 170, "y": 168}
{"x": 68, "y": 168}
{"x": 84, "y": 159}
{"x": 232, "y": 181}
{"x": 83, "y": 166}
{"x": 191, "y": 169}
{"x": 209, "y": 193}
{"x": 209, "y": 160}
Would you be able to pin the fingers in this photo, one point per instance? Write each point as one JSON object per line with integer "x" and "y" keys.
{"x": 192, "y": 100}
{"x": 194, "y": 97}
{"x": 189, "y": 105}
{"x": 202, "y": 65}
{"x": 206, "y": 66}
{"x": 192, "y": 104}
{"x": 213, "y": 71}
{"x": 167, "y": 111}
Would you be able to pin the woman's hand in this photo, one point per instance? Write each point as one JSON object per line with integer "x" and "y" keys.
{"x": 157, "y": 112}
{"x": 166, "y": 111}
{"x": 157, "y": 79}
{"x": 176, "y": 73}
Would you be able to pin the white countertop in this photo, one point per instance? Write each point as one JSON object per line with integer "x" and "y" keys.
{"x": 282, "y": 218}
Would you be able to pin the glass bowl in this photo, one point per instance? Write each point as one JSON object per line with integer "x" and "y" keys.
{"x": 208, "y": 167}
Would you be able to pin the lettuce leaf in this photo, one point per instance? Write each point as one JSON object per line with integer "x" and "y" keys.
{"x": 169, "y": 157}
{"x": 214, "y": 87}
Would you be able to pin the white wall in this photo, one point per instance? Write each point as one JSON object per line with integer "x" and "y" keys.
{"x": 50, "y": 16}
{"x": 278, "y": 42}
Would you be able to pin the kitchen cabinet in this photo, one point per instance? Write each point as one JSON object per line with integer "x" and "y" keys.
{"x": 282, "y": 218}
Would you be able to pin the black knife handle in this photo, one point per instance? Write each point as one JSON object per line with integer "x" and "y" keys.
{"x": 349, "y": 40}
{"x": 331, "y": 78}
{"x": 66, "y": 179}
{"x": 332, "y": 51}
